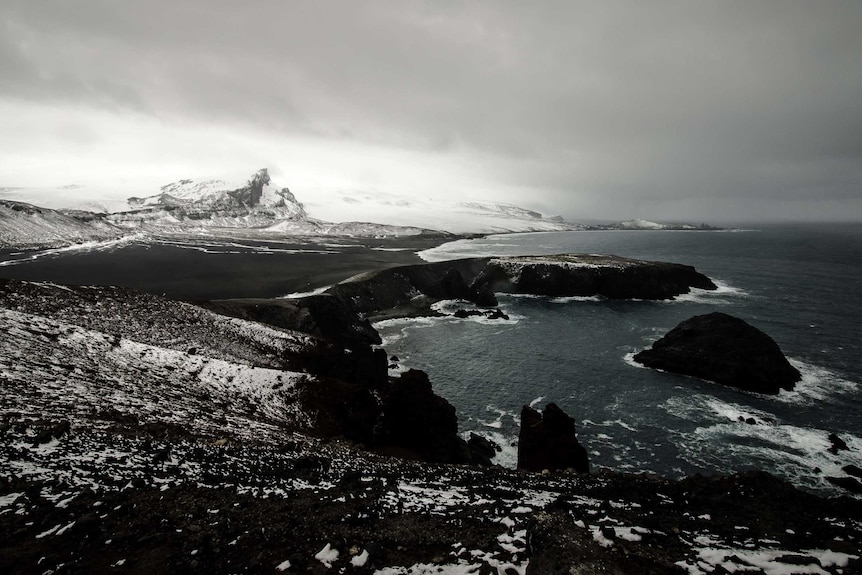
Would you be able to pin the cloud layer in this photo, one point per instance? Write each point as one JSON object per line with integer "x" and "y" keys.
{"x": 666, "y": 110}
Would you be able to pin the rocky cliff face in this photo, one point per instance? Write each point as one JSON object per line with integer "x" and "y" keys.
{"x": 548, "y": 441}
{"x": 410, "y": 289}
{"x": 588, "y": 275}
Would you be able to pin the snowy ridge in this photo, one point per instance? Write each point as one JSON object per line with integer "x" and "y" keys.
{"x": 28, "y": 226}
{"x": 433, "y": 213}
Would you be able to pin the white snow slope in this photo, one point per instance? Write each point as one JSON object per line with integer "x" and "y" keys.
{"x": 457, "y": 217}
{"x": 25, "y": 225}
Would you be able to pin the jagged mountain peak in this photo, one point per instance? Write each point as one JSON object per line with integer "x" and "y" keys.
{"x": 251, "y": 202}
{"x": 255, "y": 191}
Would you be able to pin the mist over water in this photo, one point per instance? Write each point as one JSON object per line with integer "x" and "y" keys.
{"x": 799, "y": 284}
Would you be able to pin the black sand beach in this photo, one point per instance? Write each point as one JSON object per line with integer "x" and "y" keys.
{"x": 185, "y": 269}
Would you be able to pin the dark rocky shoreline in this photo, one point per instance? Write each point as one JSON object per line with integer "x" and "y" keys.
{"x": 148, "y": 435}
{"x": 343, "y": 312}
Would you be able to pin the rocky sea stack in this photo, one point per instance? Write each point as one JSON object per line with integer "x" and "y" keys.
{"x": 548, "y": 441}
{"x": 724, "y": 349}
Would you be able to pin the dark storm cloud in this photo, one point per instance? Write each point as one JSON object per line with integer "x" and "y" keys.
{"x": 595, "y": 108}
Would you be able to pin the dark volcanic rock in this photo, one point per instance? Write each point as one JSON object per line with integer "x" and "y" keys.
{"x": 319, "y": 315}
{"x": 408, "y": 289}
{"x": 838, "y": 444}
{"x": 416, "y": 423}
{"x": 589, "y": 275}
{"x": 482, "y": 450}
{"x": 454, "y": 286}
{"x": 851, "y": 484}
{"x": 852, "y": 470}
{"x": 723, "y": 349}
{"x": 548, "y": 441}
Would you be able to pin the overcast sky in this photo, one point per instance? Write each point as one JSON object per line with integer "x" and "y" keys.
{"x": 707, "y": 111}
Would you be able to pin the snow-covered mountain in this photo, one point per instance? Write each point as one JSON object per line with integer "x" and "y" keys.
{"x": 257, "y": 202}
{"x": 457, "y": 217}
{"x": 27, "y": 226}
{"x": 649, "y": 225}
{"x": 257, "y": 207}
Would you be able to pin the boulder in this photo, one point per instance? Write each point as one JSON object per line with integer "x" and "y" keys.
{"x": 838, "y": 444}
{"x": 724, "y": 349}
{"x": 548, "y": 441}
{"x": 497, "y": 314}
{"x": 851, "y": 484}
{"x": 482, "y": 450}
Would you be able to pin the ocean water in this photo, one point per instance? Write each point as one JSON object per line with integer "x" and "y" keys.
{"x": 802, "y": 285}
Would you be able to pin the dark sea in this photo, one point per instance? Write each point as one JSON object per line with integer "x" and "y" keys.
{"x": 800, "y": 284}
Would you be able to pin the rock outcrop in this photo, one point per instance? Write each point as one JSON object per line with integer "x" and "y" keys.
{"x": 321, "y": 315}
{"x": 409, "y": 290}
{"x": 724, "y": 349}
{"x": 591, "y": 275}
{"x": 548, "y": 441}
{"x": 417, "y": 424}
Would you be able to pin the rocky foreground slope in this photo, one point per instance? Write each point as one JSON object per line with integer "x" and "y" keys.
{"x": 143, "y": 435}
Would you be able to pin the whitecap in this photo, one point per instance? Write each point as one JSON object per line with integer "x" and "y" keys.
{"x": 700, "y": 407}
{"x": 789, "y": 451}
{"x": 297, "y": 295}
{"x": 508, "y": 455}
{"x": 724, "y": 294}
{"x": 610, "y": 423}
{"x": 817, "y": 384}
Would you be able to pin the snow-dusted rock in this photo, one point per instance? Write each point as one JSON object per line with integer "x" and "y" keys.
{"x": 27, "y": 226}
{"x": 457, "y": 217}
{"x": 257, "y": 202}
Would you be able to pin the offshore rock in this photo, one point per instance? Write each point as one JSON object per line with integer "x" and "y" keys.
{"x": 724, "y": 349}
{"x": 548, "y": 441}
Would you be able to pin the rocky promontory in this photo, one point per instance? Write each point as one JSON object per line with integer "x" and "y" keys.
{"x": 724, "y": 349}
{"x": 343, "y": 311}
{"x": 401, "y": 289}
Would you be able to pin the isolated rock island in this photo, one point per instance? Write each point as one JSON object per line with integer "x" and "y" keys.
{"x": 724, "y": 349}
